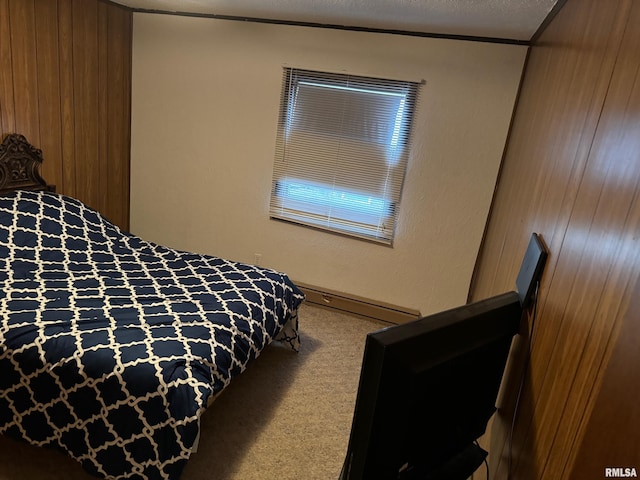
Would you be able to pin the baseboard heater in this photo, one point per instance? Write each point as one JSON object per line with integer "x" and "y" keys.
{"x": 355, "y": 305}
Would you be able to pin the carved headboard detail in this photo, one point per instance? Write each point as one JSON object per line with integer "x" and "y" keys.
{"x": 19, "y": 165}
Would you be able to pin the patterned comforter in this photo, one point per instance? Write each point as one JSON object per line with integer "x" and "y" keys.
{"x": 110, "y": 346}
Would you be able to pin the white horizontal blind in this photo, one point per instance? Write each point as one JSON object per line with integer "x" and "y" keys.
{"x": 341, "y": 152}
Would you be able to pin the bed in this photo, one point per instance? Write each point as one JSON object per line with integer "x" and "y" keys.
{"x": 111, "y": 347}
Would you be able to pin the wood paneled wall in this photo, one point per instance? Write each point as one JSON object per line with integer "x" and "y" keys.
{"x": 65, "y": 84}
{"x": 571, "y": 172}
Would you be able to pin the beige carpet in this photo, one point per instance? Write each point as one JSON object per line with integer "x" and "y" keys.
{"x": 288, "y": 417}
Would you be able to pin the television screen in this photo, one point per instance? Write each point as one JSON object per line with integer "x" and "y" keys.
{"x": 427, "y": 390}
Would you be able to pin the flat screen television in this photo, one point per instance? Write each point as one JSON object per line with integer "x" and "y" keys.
{"x": 428, "y": 388}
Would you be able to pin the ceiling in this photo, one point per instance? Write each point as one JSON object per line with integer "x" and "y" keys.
{"x": 513, "y": 20}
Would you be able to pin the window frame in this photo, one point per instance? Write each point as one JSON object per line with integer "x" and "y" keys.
{"x": 379, "y": 122}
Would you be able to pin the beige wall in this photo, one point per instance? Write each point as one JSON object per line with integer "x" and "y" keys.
{"x": 204, "y": 109}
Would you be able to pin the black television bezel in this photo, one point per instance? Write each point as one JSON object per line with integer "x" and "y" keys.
{"x": 396, "y": 356}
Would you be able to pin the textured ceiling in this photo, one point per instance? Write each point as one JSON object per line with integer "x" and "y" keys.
{"x": 504, "y": 19}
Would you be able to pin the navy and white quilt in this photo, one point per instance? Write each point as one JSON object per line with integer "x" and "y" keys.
{"x": 110, "y": 346}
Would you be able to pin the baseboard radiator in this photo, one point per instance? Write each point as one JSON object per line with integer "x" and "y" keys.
{"x": 355, "y": 305}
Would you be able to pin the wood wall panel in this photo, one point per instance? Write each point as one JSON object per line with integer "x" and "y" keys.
{"x": 46, "y": 30}
{"x": 609, "y": 437}
{"x": 24, "y": 67}
{"x": 67, "y": 106}
{"x": 571, "y": 173}
{"x": 103, "y": 105}
{"x": 601, "y": 446}
{"x": 86, "y": 80}
{"x": 65, "y": 81}
{"x": 7, "y": 120}
{"x": 118, "y": 112}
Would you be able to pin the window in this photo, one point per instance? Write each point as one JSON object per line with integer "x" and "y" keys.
{"x": 341, "y": 152}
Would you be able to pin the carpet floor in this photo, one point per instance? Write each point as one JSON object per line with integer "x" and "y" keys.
{"x": 288, "y": 417}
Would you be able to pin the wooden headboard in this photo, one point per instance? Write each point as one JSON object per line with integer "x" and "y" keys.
{"x": 19, "y": 165}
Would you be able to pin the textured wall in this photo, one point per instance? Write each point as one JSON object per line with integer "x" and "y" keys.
{"x": 206, "y": 94}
